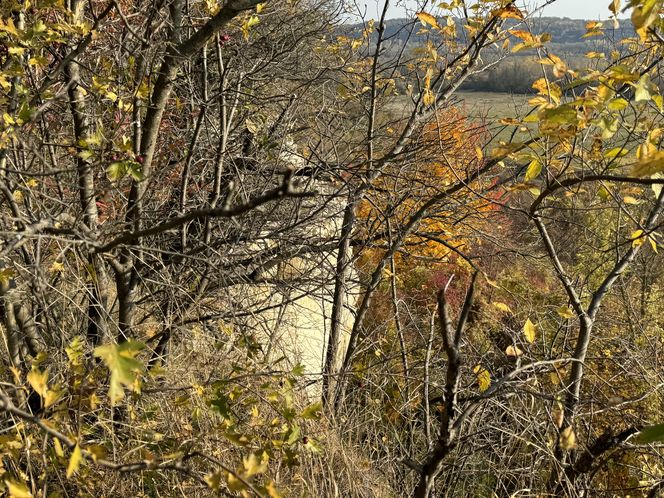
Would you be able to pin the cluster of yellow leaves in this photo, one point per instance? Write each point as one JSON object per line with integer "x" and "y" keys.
{"x": 528, "y": 39}
{"x": 483, "y": 378}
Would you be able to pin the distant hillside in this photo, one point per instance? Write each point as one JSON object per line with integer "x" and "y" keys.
{"x": 517, "y": 72}
{"x": 566, "y": 34}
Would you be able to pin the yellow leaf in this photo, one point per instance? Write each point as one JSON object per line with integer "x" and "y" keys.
{"x": 253, "y": 464}
{"x": 502, "y": 307}
{"x": 534, "y": 169}
{"x": 14, "y": 370}
{"x": 637, "y": 238}
{"x": 248, "y": 24}
{"x": 628, "y": 199}
{"x": 213, "y": 480}
{"x": 427, "y": 19}
{"x": 234, "y": 484}
{"x": 483, "y": 378}
{"x": 38, "y": 380}
{"x": 650, "y": 164}
{"x": 9, "y": 27}
{"x": 58, "y": 448}
{"x": 558, "y": 417}
{"x": 659, "y": 102}
{"x": 97, "y": 452}
{"x": 529, "y": 330}
{"x": 428, "y": 97}
{"x": 554, "y": 378}
{"x": 17, "y": 489}
{"x": 644, "y": 16}
{"x": 123, "y": 365}
{"x": 653, "y": 243}
{"x": 566, "y": 312}
{"x": 272, "y": 491}
{"x": 492, "y": 283}
{"x": 614, "y": 7}
{"x": 513, "y": 351}
{"x": 568, "y": 438}
{"x": 56, "y": 267}
{"x": 478, "y": 153}
{"x": 524, "y": 35}
{"x": 509, "y": 12}
{"x": 74, "y": 461}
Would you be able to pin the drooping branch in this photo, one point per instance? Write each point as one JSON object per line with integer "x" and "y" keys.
{"x": 284, "y": 190}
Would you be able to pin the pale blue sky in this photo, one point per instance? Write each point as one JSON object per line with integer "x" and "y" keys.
{"x": 574, "y": 9}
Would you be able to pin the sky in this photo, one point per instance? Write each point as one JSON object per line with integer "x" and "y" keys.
{"x": 574, "y": 9}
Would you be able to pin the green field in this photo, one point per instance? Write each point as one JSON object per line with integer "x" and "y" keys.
{"x": 487, "y": 106}
{"x": 492, "y": 105}
{"x": 483, "y": 107}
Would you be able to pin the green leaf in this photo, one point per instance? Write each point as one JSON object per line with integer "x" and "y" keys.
{"x": 293, "y": 434}
{"x": 603, "y": 193}
{"x": 617, "y": 104}
{"x": 86, "y": 154}
{"x": 123, "y": 365}
{"x": 561, "y": 115}
{"x": 651, "y": 434}
{"x": 313, "y": 445}
{"x": 608, "y": 125}
{"x": 116, "y": 171}
{"x": 135, "y": 171}
{"x": 312, "y": 411}
{"x": 642, "y": 89}
{"x": 298, "y": 370}
{"x": 221, "y": 405}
